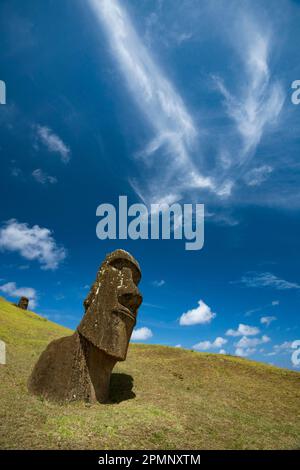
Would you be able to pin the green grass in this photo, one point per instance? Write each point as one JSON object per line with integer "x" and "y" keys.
{"x": 180, "y": 399}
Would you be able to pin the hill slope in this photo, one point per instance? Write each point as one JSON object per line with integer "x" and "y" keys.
{"x": 161, "y": 397}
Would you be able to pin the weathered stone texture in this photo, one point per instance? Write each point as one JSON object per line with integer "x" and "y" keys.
{"x": 23, "y": 303}
{"x": 78, "y": 367}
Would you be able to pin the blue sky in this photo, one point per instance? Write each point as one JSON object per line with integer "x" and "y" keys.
{"x": 162, "y": 100}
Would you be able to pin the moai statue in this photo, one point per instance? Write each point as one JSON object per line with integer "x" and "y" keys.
{"x": 23, "y": 303}
{"x": 79, "y": 367}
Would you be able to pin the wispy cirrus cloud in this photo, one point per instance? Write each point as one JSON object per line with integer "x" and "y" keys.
{"x": 258, "y": 175}
{"x": 175, "y": 133}
{"x": 267, "y": 280}
{"x": 274, "y": 303}
{"x": 53, "y": 142}
{"x": 255, "y": 101}
{"x": 174, "y": 163}
{"x": 42, "y": 177}
{"x": 158, "y": 283}
{"x": 267, "y": 320}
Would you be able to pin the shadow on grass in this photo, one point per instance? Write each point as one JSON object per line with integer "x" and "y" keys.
{"x": 120, "y": 389}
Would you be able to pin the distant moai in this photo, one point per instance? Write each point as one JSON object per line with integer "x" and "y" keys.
{"x": 23, "y": 303}
{"x": 78, "y": 367}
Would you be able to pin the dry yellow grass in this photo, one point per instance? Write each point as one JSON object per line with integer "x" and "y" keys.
{"x": 162, "y": 398}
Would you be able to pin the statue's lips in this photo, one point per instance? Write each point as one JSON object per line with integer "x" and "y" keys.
{"x": 127, "y": 312}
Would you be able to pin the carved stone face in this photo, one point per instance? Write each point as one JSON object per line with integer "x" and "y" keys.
{"x": 112, "y": 304}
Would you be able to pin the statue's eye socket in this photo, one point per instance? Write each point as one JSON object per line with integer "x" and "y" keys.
{"x": 117, "y": 264}
{"x": 124, "y": 263}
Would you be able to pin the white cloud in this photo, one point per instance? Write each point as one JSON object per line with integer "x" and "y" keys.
{"x": 159, "y": 283}
{"x": 205, "y": 345}
{"x": 222, "y": 351}
{"x": 11, "y": 289}
{"x": 182, "y": 37}
{"x": 33, "y": 243}
{"x": 219, "y": 342}
{"x": 178, "y": 346}
{"x": 275, "y": 302}
{"x": 244, "y": 352}
{"x": 246, "y": 342}
{"x": 199, "y": 315}
{"x": 243, "y": 330}
{"x": 257, "y": 176}
{"x": 41, "y": 177}
{"x": 284, "y": 347}
{"x": 287, "y": 345}
{"x": 267, "y": 320}
{"x": 16, "y": 172}
{"x": 53, "y": 142}
{"x": 268, "y": 280}
{"x": 247, "y": 346}
{"x": 23, "y": 267}
{"x": 141, "y": 334}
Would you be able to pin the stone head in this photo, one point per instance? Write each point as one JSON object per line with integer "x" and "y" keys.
{"x": 23, "y": 303}
{"x": 112, "y": 304}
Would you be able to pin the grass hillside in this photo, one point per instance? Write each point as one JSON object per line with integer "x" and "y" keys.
{"x": 161, "y": 397}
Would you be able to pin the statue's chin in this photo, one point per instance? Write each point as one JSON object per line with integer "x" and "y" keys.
{"x": 120, "y": 336}
{"x": 119, "y": 351}
{"x": 119, "y": 354}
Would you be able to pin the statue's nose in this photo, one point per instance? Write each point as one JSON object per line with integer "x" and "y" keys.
{"x": 131, "y": 300}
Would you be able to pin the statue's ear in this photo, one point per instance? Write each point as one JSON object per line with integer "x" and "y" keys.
{"x": 86, "y": 303}
{"x": 88, "y": 300}
{"x": 92, "y": 292}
